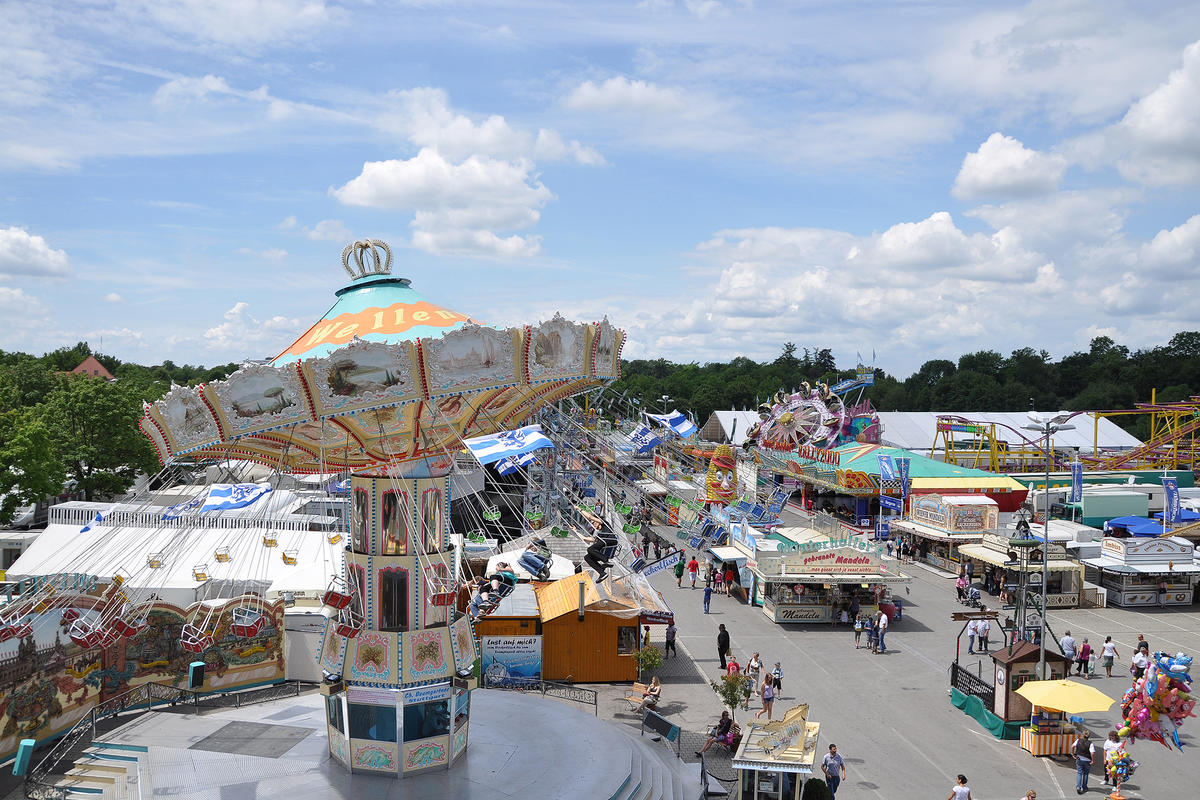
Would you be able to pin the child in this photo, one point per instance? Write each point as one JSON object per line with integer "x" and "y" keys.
{"x": 1091, "y": 668}
{"x": 871, "y": 641}
{"x": 747, "y": 690}
{"x": 845, "y": 616}
{"x": 858, "y": 626}
{"x": 777, "y": 678}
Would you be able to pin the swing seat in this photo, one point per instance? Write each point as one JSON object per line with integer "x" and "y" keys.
{"x": 70, "y": 614}
{"x": 349, "y": 624}
{"x": 195, "y": 640}
{"x": 15, "y": 630}
{"x": 247, "y": 622}
{"x": 155, "y": 560}
{"x": 335, "y": 596}
{"x": 200, "y": 573}
{"x": 270, "y": 540}
{"x": 290, "y": 557}
{"x": 109, "y": 637}
{"x": 86, "y": 636}
{"x": 442, "y": 599}
{"x": 221, "y": 555}
{"x": 334, "y": 538}
{"x": 6, "y": 632}
{"x": 127, "y": 629}
{"x": 491, "y": 513}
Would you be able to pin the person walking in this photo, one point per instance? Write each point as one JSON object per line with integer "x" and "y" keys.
{"x": 1084, "y": 752}
{"x": 706, "y": 569}
{"x": 1108, "y": 652}
{"x": 693, "y": 568}
{"x": 858, "y": 626}
{"x": 679, "y": 572}
{"x": 1113, "y": 742}
{"x": 1067, "y": 643}
{"x": 722, "y": 643}
{"x": 719, "y": 577}
{"x": 834, "y": 768}
{"x": 767, "y": 694}
{"x": 729, "y": 580}
{"x": 777, "y": 678}
{"x": 960, "y": 586}
{"x": 872, "y": 634}
{"x": 972, "y": 632}
{"x": 753, "y": 668}
{"x": 1081, "y": 658}
{"x": 672, "y": 631}
{"x": 707, "y": 598}
{"x": 983, "y": 629}
{"x": 960, "y": 790}
{"x": 883, "y": 627}
{"x": 1140, "y": 662}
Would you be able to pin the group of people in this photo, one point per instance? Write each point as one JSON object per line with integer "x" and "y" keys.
{"x": 766, "y": 685}
{"x": 876, "y": 628}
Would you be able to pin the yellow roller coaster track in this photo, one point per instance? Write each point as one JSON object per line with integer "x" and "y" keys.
{"x": 1174, "y": 441}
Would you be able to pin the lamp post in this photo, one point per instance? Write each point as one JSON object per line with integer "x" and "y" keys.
{"x": 666, "y": 398}
{"x": 1046, "y": 427}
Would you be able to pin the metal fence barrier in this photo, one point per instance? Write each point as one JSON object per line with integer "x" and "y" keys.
{"x": 559, "y": 691}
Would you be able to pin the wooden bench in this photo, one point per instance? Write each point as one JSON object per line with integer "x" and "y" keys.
{"x": 634, "y": 698}
{"x": 732, "y": 745}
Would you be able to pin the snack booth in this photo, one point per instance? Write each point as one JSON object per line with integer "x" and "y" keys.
{"x": 1155, "y": 571}
{"x": 1048, "y": 731}
{"x": 815, "y": 582}
{"x": 938, "y": 525}
{"x": 1064, "y": 585}
{"x": 774, "y": 759}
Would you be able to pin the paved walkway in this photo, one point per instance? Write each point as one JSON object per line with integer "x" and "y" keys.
{"x": 890, "y": 714}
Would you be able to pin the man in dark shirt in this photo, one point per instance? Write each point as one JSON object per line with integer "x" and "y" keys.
{"x": 722, "y": 644}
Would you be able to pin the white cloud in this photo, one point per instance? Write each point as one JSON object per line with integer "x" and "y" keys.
{"x": 1159, "y": 137}
{"x": 124, "y": 335}
{"x": 26, "y": 254}
{"x": 329, "y": 230}
{"x": 236, "y": 23}
{"x": 113, "y": 297}
{"x": 288, "y": 223}
{"x": 1004, "y": 167}
{"x": 270, "y": 254}
{"x": 240, "y": 329}
{"x": 622, "y": 95}
{"x": 1174, "y": 250}
{"x": 457, "y": 207}
{"x": 16, "y": 301}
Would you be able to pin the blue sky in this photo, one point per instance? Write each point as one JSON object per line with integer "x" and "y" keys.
{"x": 921, "y": 179}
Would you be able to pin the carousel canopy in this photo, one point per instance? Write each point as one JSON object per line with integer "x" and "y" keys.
{"x": 383, "y": 377}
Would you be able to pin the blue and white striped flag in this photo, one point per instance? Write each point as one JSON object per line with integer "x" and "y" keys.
{"x": 676, "y": 421}
{"x": 643, "y": 439}
{"x": 226, "y": 496}
{"x": 507, "y": 466}
{"x": 96, "y": 520}
{"x": 496, "y": 446}
{"x": 178, "y": 510}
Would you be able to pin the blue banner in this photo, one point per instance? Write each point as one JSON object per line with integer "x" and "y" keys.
{"x": 643, "y": 439}
{"x": 1076, "y": 482}
{"x": 902, "y": 472}
{"x": 893, "y": 503}
{"x": 887, "y": 472}
{"x": 1171, "y": 504}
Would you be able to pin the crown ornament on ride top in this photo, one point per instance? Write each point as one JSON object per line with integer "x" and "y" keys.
{"x": 367, "y": 257}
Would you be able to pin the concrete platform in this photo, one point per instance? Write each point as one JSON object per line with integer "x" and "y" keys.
{"x": 521, "y": 747}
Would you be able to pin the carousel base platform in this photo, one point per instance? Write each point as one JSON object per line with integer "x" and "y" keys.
{"x": 521, "y": 747}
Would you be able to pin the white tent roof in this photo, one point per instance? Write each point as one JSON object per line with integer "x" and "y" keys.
{"x": 108, "y": 550}
{"x": 915, "y": 430}
{"x": 559, "y": 567}
{"x": 724, "y": 429}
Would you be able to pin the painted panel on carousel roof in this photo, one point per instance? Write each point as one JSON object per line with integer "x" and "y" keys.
{"x": 556, "y": 349}
{"x": 258, "y": 397}
{"x": 471, "y": 356}
{"x": 361, "y": 375}
{"x": 188, "y": 421}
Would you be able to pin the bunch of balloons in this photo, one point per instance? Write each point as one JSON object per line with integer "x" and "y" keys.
{"x": 1159, "y": 701}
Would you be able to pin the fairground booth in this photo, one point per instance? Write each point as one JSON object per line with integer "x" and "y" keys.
{"x": 774, "y": 759}
{"x": 818, "y": 579}
{"x": 1158, "y": 571}
{"x": 1064, "y": 586}
{"x": 846, "y": 481}
{"x": 937, "y": 525}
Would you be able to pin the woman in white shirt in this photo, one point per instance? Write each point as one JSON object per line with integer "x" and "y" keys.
{"x": 960, "y": 791}
{"x": 1113, "y": 742}
{"x": 1108, "y": 652}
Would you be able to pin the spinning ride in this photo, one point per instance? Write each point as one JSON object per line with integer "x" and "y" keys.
{"x": 386, "y": 386}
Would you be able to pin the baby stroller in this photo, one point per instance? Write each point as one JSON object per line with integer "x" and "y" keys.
{"x": 972, "y": 598}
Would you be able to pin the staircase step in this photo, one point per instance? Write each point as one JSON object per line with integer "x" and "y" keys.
{"x": 134, "y": 748}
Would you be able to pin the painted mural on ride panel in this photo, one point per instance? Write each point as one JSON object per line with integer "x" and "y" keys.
{"x": 50, "y": 683}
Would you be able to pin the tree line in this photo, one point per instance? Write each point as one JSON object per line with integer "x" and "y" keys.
{"x": 76, "y": 434}
{"x": 1105, "y": 376}
{"x": 63, "y": 433}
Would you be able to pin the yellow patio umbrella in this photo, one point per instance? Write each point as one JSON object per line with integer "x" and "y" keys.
{"x": 1070, "y": 697}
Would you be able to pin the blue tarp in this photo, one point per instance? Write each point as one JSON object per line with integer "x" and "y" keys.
{"x": 1125, "y": 522}
{"x": 1185, "y": 515}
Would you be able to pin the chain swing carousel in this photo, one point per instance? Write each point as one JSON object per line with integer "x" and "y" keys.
{"x": 386, "y": 386}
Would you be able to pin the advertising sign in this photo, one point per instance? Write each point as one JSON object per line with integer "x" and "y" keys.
{"x": 1171, "y": 506}
{"x": 1076, "y": 482}
{"x": 887, "y": 472}
{"x": 891, "y": 503}
{"x": 842, "y": 561}
{"x": 664, "y": 563}
{"x": 902, "y": 465}
{"x": 510, "y": 660}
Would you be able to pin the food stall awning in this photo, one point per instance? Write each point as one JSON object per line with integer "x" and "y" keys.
{"x": 866, "y": 577}
{"x": 990, "y": 556}
{"x": 935, "y": 534}
{"x": 1116, "y": 565}
{"x": 728, "y": 553}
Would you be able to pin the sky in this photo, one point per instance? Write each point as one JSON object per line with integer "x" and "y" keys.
{"x": 717, "y": 177}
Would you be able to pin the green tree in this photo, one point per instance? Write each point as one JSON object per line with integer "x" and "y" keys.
{"x": 648, "y": 659}
{"x": 29, "y": 467}
{"x": 93, "y": 429}
{"x": 816, "y": 789}
{"x": 731, "y": 689}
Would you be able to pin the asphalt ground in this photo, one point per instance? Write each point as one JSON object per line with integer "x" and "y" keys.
{"x": 890, "y": 714}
